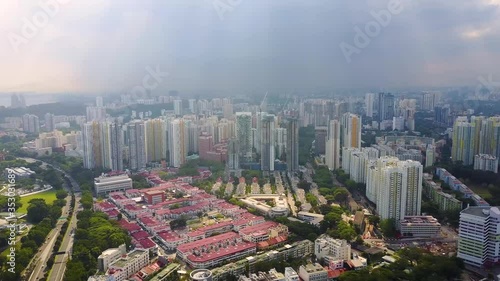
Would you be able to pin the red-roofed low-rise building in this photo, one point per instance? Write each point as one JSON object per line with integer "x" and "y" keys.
{"x": 154, "y": 197}
{"x": 133, "y": 210}
{"x": 139, "y": 235}
{"x": 149, "y": 223}
{"x": 271, "y": 242}
{"x": 202, "y": 232}
{"x": 148, "y": 244}
{"x": 170, "y": 239}
{"x": 171, "y": 202}
{"x": 189, "y": 211}
{"x": 133, "y": 193}
{"x": 160, "y": 228}
{"x": 112, "y": 214}
{"x": 104, "y": 206}
{"x": 212, "y": 251}
{"x": 195, "y": 235}
{"x": 263, "y": 231}
{"x": 130, "y": 227}
{"x": 226, "y": 208}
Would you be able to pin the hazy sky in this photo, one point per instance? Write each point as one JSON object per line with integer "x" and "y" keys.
{"x": 102, "y": 46}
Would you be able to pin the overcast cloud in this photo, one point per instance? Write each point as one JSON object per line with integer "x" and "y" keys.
{"x": 104, "y": 46}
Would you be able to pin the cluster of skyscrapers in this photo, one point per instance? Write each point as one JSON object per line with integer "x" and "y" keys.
{"x": 393, "y": 184}
{"x": 258, "y": 138}
{"x": 387, "y": 111}
{"x": 343, "y": 133}
{"x": 106, "y": 144}
{"x": 476, "y": 138}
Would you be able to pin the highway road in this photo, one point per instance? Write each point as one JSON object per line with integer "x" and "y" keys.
{"x": 41, "y": 257}
{"x": 59, "y": 267}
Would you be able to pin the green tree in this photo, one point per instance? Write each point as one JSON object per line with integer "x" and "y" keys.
{"x": 374, "y": 220}
{"x": 178, "y": 223}
{"x": 37, "y": 210}
{"x": 331, "y": 220}
{"x": 306, "y": 186}
{"x": 61, "y": 194}
{"x": 341, "y": 195}
{"x": 387, "y": 226}
{"x": 75, "y": 271}
{"x": 345, "y": 231}
{"x": 5, "y": 204}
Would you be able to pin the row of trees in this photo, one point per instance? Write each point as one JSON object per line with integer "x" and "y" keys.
{"x": 323, "y": 177}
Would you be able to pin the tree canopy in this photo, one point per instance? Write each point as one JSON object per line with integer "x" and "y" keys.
{"x": 94, "y": 234}
{"x": 413, "y": 264}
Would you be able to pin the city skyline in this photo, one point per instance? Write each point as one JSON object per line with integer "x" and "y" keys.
{"x": 250, "y": 140}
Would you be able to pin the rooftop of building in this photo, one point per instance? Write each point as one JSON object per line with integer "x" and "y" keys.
{"x": 130, "y": 227}
{"x": 310, "y": 268}
{"x": 106, "y": 205}
{"x": 104, "y": 178}
{"x": 481, "y": 211}
{"x": 169, "y": 236}
{"x": 139, "y": 235}
{"x": 154, "y": 192}
{"x": 214, "y": 226}
{"x": 222, "y": 252}
{"x": 259, "y": 227}
{"x": 112, "y": 213}
{"x": 127, "y": 258}
{"x": 419, "y": 220}
{"x": 208, "y": 241}
{"x": 310, "y": 214}
{"x": 147, "y": 243}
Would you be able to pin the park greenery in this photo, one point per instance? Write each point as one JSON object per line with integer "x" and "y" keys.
{"x": 300, "y": 229}
{"x": 334, "y": 225}
{"x": 94, "y": 234}
{"x": 450, "y": 216}
{"x": 306, "y": 137}
{"x": 471, "y": 177}
{"x": 4, "y": 203}
{"x": 191, "y": 168}
{"x": 322, "y": 177}
{"x": 44, "y": 217}
{"x": 413, "y": 264}
{"x": 139, "y": 181}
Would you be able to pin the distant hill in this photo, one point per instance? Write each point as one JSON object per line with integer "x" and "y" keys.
{"x": 56, "y": 108}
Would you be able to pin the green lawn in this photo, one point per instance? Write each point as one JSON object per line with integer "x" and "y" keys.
{"x": 480, "y": 190}
{"x": 49, "y": 196}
